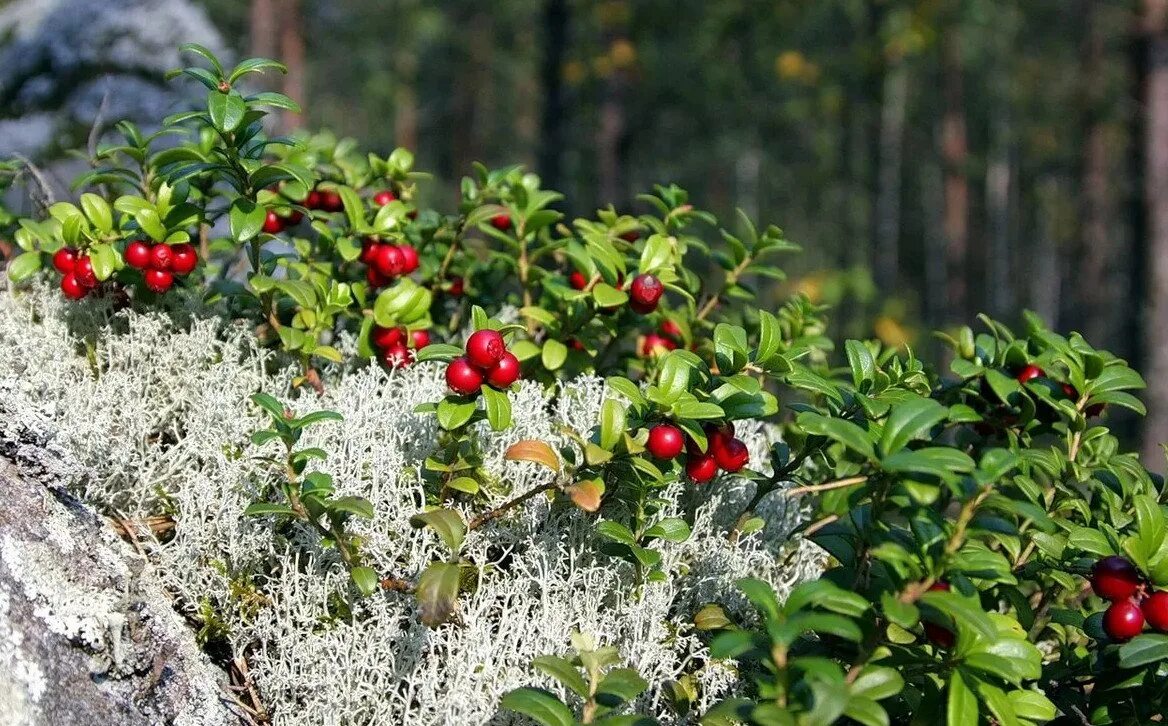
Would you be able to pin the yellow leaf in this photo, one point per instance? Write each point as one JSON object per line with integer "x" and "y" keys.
{"x": 587, "y": 494}
{"x": 534, "y": 450}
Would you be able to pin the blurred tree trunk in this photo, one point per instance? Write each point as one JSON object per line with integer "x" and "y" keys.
{"x": 263, "y": 28}
{"x": 1000, "y": 184}
{"x": 611, "y": 136}
{"x": 405, "y": 99}
{"x": 473, "y": 90}
{"x": 955, "y": 159}
{"x": 888, "y": 190}
{"x": 1154, "y": 31}
{"x": 551, "y": 74}
{"x": 292, "y": 55}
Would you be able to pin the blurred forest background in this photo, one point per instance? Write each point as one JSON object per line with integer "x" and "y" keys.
{"x": 935, "y": 158}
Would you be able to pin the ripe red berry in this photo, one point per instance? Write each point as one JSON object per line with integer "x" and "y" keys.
{"x": 137, "y": 255}
{"x": 72, "y": 289}
{"x": 312, "y": 201}
{"x": 409, "y": 257}
{"x": 397, "y": 355}
{"x": 731, "y": 456}
{"x": 463, "y": 378}
{"x": 161, "y": 257}
{"x": 185, "y": 259}
{"x": 655, "y": 344}
{"x": 64, "y": 260}
{"x": 671, "y": 329}
{"x": 1029, "y": 373}
{"x": 484, "y": 348}
{"x": 383, "y": 197}
{"x": 369, "y": 250}
{"x": 375, "y": 278}
{"x": 456, "y": 287}
{"x": 940, "y": 635}
{"x": 272, "y": 223}
{"x": 1114, "y": 578}
{"x": 646, "y": 292}
{"x": 501, "y": 221}
{"x": 295, "y": 216}
{"x": 330, "y": 201}
{"x": 420, "y": 338}
{"x": 505, "y": 372}
{"x": 577, "y": 280}
{"x": 385, "y": 337}
{"x": 159, "y": 281}
{"x": 1155, "y": 609}
{"x": 941, "y": 586}
{"x": 1123, "y": 620}
{"x": 631, "y": 236}
{"x": 83, "y": 270}
{"x": 388, "y": 260}
{"x": 700, "y": 467}
{"x": 665, "y": 441}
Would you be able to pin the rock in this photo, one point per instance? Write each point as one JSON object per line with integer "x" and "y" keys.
{"x": 66, "y": 57}
{"x": 87, "y": 635}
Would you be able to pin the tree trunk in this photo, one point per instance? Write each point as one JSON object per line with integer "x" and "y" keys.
{"x": 610, "y": 139}
{"x": 1154, "y": 29}
{"x": 888, "y": 190}
{"x": 551, "y": 148}
{"x": 405, "y": 100}
{"x": 263, "y": 28}
{"x": 292, "y": 55}
{"x": 954, "y": 157}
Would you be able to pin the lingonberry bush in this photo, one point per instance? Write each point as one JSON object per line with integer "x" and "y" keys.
{"x": 993, "y": 554}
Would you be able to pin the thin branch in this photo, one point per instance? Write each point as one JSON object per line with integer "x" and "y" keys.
{"x": 507, "y": 506}
{"x": 826, "y": 486}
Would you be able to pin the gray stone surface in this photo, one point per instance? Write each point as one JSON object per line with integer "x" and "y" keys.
{"x": 87, "y": 635}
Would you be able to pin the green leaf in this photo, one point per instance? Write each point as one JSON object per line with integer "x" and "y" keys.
{"x": 730, "y": 348}
{"x": 437, "y": 593}
{"x": 861, "y": 361}
{"x": 438, "y": 351}
{"x": 961, "y": 703}
{"x": 539, "y": 705}
{"x": 563, "y": 671}
{"x": 878, "y": 682}
{"x": 24, "y": 266}
{"x": 365, "y": 578}
{"x": 453, "y": 414}
{"x": 672, "y": 529}
{"x": 1143, "y": 649}
{"x": 357, "y": 506}
{"x": 246, "y": 218}
{"x": 612, "y": 423}
{"x": 259, "y": 509}
{"x": 908, "y": 421}
{"x": 255, "y": 65}
{"x": 98, "y": 211}
{"x": 269, "y": 404}
{"x": 226, "y": 110}
{"x": 447, "y": 523}
{"x": 1032, "y": 705}
{"x": 498, "y": 406}
{"x": 317, "y": 417}
{"x": 845, "y": 432}
{"x": 616, "y": 532}
{"x": 618, "y": 687}
{"x": 554, "y": 354}
{"x": 607, "y": 296}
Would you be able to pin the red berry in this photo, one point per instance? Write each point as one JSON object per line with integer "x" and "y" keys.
{"x": 72, "y": 289}
{"x": 456, "y": 287}
{"x": 161, "y": 257}
{"x": 485, "y": 348}
{"x": 368, "y": 250}
{"x": 731, "y": 456}
{"x": 941, "y": 586}
{"x": 700, "y": 467}
{"x": 385, "y": 337}
{"x": 312, "y": 201}
{"x": 383, "y": 197}
{"x": 1156, "y": 610}
{"x": 940, "y": 635}
{"x": 137, "y": 255}
{"x": 295, "y": 216}
{"x": 577, "y": 280}
{"x": 83, "y": 269}
{"x": 655, "y": 344}
{"x": 65, "y": 259}
{"x": 330, "y": 201}
{"x": 159, "y": 281}
{"x": 1114, "y": 578}
{"x": 463, "y": 378}
{"x": 1029, "y": 373}
{"x": 1123, "y": 620}
{"x": 505, "y": 372}
{"x": 665, "y": 441}
{"x": 375, "y": 278}
{"x": 273, "y": 224}
{"x": 631, "y": 236}
{"x": 420, "y": 338}
{"x": 388, "y": 260}
{"x": 1072, "y": 393}
{"x": 501, "y": 221}
{"x": 646, "y": 292}
{"x": 185, "y": 259}
{"x": 409, "y": 257}
{"x": 397, "y": 355}
{"x": 671, "y": 329}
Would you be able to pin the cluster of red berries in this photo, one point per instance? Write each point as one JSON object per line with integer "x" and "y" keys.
{"x": 387, "y": 261}
{"x": 644, "y": 293}
{"x": 275, "y": 224}
{"x": 77, "y": 277}
{"x": 161, "y": 262}
{"x": 487, "y": 360}
{"x": 1032, "y": 372}
{"x": 1116, "y": 579}
{"x": 668, "y": 337}
{"x": 392, "y": 347}
{"x": 723, "y": 450}
{"x": 324, "y": 199}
